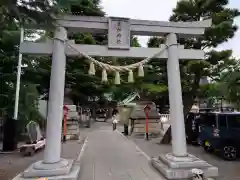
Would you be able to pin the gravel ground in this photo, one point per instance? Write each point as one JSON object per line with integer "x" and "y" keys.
{"x": 13, "y": 164}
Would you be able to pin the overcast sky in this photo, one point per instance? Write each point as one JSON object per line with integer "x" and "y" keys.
{"x": 159, "y": 10}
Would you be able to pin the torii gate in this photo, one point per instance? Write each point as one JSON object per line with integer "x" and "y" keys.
{"x": 118, "y": 46}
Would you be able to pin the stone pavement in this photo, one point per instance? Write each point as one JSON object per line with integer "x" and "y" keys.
{"x": 110, "y": 156}
{"x": 228, "y": 170}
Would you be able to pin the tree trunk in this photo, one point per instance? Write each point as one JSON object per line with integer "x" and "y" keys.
{"x": 110, "y": 110}
{"x": 94, "y": 117}
{"x": 162, "y": 102}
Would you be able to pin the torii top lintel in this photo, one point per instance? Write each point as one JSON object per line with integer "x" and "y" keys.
{"x": 119, "y": 32}
{"x": 137, "y": 27}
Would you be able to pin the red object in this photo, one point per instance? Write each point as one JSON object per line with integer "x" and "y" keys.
{"x": 147, "y": 108}
{"x": 65, "y": 111}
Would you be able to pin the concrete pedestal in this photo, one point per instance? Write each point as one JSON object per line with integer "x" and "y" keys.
{"x": 179, "y": 168}
{"x": 64, "y": 170}
{"x": 43, "y": 170}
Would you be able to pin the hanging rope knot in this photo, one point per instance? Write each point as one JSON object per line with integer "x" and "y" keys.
{"x": 117, "y": 77}
{"x": 130, "y": 76}
{"x": 140, "y": 71}
{"x": 60, "y": 39}
{"x": 104, "y": 75}
{"x": 168, "y": 46}
{"x": 91, "y": 70}
{"x": 116, "y": 69}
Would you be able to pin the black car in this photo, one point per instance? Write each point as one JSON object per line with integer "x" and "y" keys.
{"x": 220, "y": 132}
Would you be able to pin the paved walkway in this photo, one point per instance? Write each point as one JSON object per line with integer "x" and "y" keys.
{"x": 111, "y": 156}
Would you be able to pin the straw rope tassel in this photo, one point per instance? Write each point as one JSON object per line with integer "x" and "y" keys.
{"x": 117, "y": 77}
{"x": 140, "y": 71}
{"x": 130, "y": 76}
{"x": 104, "y": 75}
{"x": 91, "y": 70}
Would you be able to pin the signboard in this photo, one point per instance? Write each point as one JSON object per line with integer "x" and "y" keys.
{"x": 118, "y": 33}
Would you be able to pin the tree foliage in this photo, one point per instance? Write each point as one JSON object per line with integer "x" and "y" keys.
{"x": 26, "y": 12}
{"x": 230, "y": 84}
{"x": 216, "y": 62}
{"x": 36, "y": 75}
{"x": 28, "y": 98}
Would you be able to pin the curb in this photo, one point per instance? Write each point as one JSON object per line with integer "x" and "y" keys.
{"x": 82, "y": 150}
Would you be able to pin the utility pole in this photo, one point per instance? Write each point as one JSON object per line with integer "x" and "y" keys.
{"x": 19, "y": 69}
{"x": 10, "y": 126}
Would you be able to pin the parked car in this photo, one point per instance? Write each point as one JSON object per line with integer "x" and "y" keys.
{"x": 220, "y": 132}
{"x": 101, "y": 113}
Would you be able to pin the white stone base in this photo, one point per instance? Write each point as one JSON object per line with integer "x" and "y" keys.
{"x": 180, "y": 167}
{"x": 64, "y": 170}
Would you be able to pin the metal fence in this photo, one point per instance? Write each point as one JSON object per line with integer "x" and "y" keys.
{"x": 165, "y": 118}
{"x": 165, "y": 122}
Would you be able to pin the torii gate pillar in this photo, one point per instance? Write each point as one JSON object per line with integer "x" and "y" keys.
{"x": 56, "y": 95}
{"x": 178, "y": 164}
{"x": 53, "y": 164}
{"x": 179, "y": 147}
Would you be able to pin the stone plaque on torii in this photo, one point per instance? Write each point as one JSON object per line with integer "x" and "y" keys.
{"x": 175, "y": 165}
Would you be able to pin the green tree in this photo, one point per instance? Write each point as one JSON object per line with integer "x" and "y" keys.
{"x": 28, "y": 99}
{"x": 233, "y": 89}
{"x": 37, "y": 73}
{"x": 77, "y": 68}
{"x": 210, "y": 93}
{"x": 230, "y": 84}
{"x": 221, "y": 30}
{"x": 26, "y": 11}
